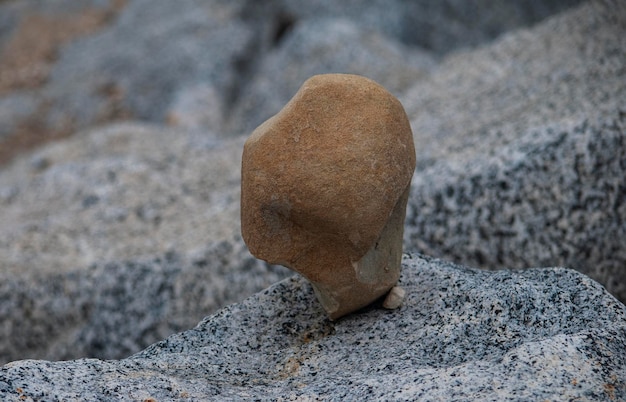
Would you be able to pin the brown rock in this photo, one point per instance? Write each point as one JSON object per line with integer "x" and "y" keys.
{"x": 324, "y": 189}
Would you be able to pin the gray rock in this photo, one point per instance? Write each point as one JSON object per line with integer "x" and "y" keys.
{"x": 319, "y": 46}
{"x": 31, "y": 34}
{"x": 86, "y": 220}
{"x": 461, "y": 334}
{"x": 554, "y": 196}
{"x": 521, "y": 115}
{"x": 111, "y": 310}
{"x": 390, "y": 42}
{"x": 155, "y": 60}
{"x": 197, "y": 107}
{"x": 565, "y": 70}
{"x": 440, "y": 27}
{"x": 16, "y": 110}
{"x": 139, "y": 72}
{"x": 521, "y": 159}
{"x": 117, "y": 193}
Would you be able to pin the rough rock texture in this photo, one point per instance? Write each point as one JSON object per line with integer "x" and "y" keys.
{"x": 189, "y": 63}
{"x": 111, "y": 240}
{"x": 557, "y": 196}
{"x": 119, "y": 192}
{"x": 31, "y": 36}
{"x": 324, "y": 185}
{"x": 113, "y": 309}
{"x": 128, "y": 195}
{"x": 522, "y": 150}
{"x": 338, "y": 45}
{"x": 462, "y": 334}
{"x": 439, "y": 27}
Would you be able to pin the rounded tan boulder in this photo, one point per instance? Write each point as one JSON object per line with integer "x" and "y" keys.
{"x": 324, "y": 189}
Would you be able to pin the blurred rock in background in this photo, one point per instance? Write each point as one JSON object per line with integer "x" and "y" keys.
{"x": 66, "y": 65}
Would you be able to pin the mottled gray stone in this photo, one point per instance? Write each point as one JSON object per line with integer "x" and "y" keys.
{"x": 562, "y": 71}
{"x": 440, "y": 27}
{"x": 146, "y": 61}
{"x": 555, "y": 196}
{"x": 116, "y": 193}
{"x": 15, "y": 110}
{"x": 336, "y": 46}
{"x": 461, "y": 334}
{"x": 521, "y": 150}
{"x": 111, "y": 310}
{"x": 538, "y": 111}
{"x": 138, "y": 72}
{"x": 86, "y": 225}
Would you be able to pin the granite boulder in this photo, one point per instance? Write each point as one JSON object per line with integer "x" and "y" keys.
{"x": 462, "y": 334}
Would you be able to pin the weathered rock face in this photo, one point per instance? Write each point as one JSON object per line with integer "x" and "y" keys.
{"x": 523, "y": 150}
{"x": 462, "y": 334}
{"x": 324, "y": 187}
{"x": 338, "y": 45}
{"x": 521, "y": 157}
{"x": 113, "y": 309}
{"x": 111, "y": 240}
{"x": 68, "y": 66}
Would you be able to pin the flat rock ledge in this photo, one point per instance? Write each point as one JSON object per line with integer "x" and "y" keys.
{"x": 461, "y": 334}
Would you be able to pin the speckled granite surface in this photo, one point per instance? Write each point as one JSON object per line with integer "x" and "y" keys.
{"x": 462, "y": 334}
{"x": 521, "y": 150}
{"x": 524, "y": 166}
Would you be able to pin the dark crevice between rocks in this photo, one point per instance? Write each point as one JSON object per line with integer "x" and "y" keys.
{"x": 282, "y": 26}
{"x": 268, "y": 35}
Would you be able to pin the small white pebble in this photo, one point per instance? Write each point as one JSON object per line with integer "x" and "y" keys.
{"x": 395, "y": 298}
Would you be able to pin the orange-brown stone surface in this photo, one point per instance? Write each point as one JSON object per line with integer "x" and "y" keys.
{"x": 324, "y": 189}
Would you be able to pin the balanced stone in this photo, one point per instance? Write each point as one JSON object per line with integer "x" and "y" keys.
{"x": 324, "y": 189}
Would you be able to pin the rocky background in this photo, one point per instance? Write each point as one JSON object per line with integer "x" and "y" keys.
{"x": 122, "y": 125}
